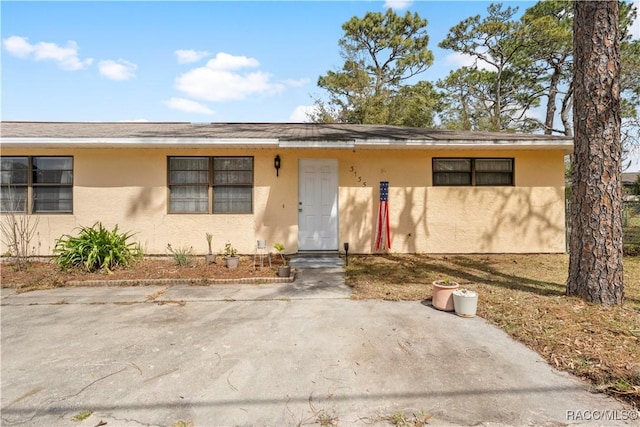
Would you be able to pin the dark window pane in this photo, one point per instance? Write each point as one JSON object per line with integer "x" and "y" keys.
{"x": 233, "y": 163}
{"x": 13, "y": 199}
{"x": 189, "y": 163}
{"x": 189, "y": 184}
{"x": 52, "y": 177}
{"x": 14, "y": 170}
{"x": 494, "y": 165}
{"x": 494, "y": 178}
{"x": 232, "y": 178}
{"x": 189, "y": 177}
{"x": 452, "y": 165}
{"x": 53, "y": 170}
{"x": 232, "y": 199}
{"x": 52, "y": 199}
{"x": 451, "y": 178}
{"x": 53, "y": 163}
{"x": 189, "y": 199}
{"x": 233, "y": 184}
{"x": 47, "y": 172}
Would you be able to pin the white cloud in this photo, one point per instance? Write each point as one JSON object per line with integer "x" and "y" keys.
{"x": 188, "y": 106}
{"x": 119, "y": 70}
{"x": 222, "y": 79}
{"x": 301, "y": 113}
{"x": 397, "y": 4}
{"x": 66, "y": 57}
{"x": 464, "y": 60}
{"x": 187, "y": 56}
{"x": 224, "y": 61}
{"x": 536, "y": 114}
{"x": 296, "y": 83}
{"x": 18, "y": 46}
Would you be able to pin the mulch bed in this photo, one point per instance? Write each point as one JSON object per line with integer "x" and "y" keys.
{"x": 47, "y": 275}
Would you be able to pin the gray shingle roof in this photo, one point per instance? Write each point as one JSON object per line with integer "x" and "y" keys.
{"x": 277, "y": 131}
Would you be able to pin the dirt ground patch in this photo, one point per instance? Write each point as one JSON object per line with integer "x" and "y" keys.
{"x": 46, "y": 275}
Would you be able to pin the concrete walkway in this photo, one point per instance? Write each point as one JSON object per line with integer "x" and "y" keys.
{"x": 292, "y": 354}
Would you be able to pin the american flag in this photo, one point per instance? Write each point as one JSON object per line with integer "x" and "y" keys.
{"x": 383, "y": 239}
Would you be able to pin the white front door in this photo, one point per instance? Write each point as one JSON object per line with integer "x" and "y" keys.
{"x": 318, "y": 205}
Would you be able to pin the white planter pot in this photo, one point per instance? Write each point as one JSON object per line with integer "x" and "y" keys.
{"x": 465, "y": 302}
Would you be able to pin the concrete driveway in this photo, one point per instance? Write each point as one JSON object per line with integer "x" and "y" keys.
{"x": 271, "y": 355}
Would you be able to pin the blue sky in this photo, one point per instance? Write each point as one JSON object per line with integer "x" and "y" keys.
{"x": 186, "y": 61}
{"x": 197, "y": 61}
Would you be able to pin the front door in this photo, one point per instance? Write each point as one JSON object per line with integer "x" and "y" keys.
{"x": 318, "y": 205}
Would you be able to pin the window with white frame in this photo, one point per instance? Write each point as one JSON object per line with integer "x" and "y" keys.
{"x": 36, "y": 184}
{"x": 210, "y": 184}
{"x": 457, "y": 171}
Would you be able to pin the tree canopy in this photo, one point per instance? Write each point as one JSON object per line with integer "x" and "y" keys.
{"x": 517, "y": 65}
{"x": 381, "y": 53}
{"x": 501, "y": 86}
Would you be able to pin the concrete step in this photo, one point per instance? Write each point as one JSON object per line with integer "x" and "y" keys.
{"x": 316, "y": 261}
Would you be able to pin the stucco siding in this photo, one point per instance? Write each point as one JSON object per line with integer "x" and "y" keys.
{"x": 128, "y": 187}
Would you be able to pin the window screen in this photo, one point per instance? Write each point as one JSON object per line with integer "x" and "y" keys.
{"x": 46, "y": 180}
{"x": 189, "y": 184}
{"x": 210, "y": 184}
{"x": 14, "y": 181}
{"x": 52, "y": 184}
{"x": 472, "y": 171}
{"x": 232, "y": 184}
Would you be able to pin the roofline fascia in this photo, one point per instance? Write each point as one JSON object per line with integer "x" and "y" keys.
{"x": 565, "y": 145}
{"x": 33, "y": 142}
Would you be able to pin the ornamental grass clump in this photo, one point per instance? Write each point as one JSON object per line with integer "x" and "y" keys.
{"x": 181, "y": 256}
{"x": 96, "y": 248}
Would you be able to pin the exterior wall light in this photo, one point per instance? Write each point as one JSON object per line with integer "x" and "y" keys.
{"x": 276, "y": 164}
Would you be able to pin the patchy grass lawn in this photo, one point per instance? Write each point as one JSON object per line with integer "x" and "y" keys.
{"x": 631, "y": 239}
{"x": 525, "y": 296}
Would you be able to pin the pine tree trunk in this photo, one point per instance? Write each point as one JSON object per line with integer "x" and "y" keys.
{"x": 595, "y": 262}
{"x": 551, "y": 101}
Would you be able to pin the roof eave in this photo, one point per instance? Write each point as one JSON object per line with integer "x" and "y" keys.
{"x": 565, "y": 145}
{"x": 367, "y": 144}
{"x": 29, "y": 142}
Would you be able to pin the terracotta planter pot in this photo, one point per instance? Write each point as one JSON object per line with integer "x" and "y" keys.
{"x": 443, "y": 295}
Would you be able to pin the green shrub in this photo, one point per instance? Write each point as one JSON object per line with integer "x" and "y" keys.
{"x": 95, "y": 248}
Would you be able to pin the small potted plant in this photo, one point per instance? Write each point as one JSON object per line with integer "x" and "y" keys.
{"x": 443, "y": 294}
{"x": 465, "y": 302}
{"x": 284, "y": 270}
{"x": 230, "y": 255}
{"x": 210, "y": 257}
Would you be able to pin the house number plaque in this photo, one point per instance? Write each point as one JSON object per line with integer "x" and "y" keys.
{"x": 357, "y": 176}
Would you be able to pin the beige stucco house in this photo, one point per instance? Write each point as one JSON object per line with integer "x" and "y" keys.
{"x": 312, "y": 187}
